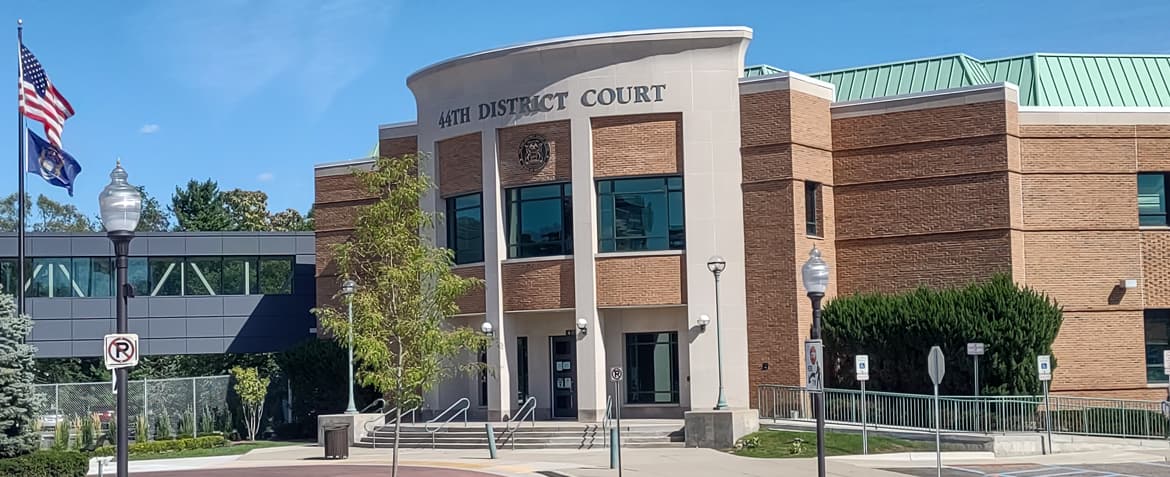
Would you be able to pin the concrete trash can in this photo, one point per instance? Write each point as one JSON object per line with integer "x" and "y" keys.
{"x": 337, "y": 441}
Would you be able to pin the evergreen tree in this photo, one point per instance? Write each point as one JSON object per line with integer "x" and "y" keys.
{"x": 19, "y": 405}
{"x": 200, "y": 207}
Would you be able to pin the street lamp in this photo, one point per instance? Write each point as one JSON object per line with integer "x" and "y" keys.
{"x": 815, "y": 275}
{"x": 120, "y": 205}
{"x": 716, "y": 264}
{"x": 486, "y": 328}
{"x": 348, "y": 288}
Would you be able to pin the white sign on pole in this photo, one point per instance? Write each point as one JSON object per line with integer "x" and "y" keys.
{"x": 1166, "y": 361}
{"x": 616, "y": 374}
{"x": 975, "y": 349}
{"x": 121, "y": 350}
{"x": 936, "y": 365}
{"x": 1044, "y": 366}
{"x": 813, "y": 366}
{"x": 861, "y": 367}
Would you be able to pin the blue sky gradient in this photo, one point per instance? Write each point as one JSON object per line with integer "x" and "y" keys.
{"x": 253, "y": 93}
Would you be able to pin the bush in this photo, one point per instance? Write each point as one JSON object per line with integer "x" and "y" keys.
{"x": 61, "y": 434}
{"x": 162, "y": 428}
{"x": 141, "y": 429}
{"x": 187, "y": 424}
{"x": 46, "y": 463}
{"x": 164, "y": 446}
{"x": 86, "y": 441}
{"x": 897, "y": 331}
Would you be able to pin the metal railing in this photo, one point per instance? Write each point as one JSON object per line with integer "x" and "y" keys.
{"x": 460, "y": 407}
{"x": 606, "y": 421}
{"x": 381, "y": 403}
{"x": 372, "y": 426}
{"x": 526, "y": 411}
{"x": 973, "y": 414}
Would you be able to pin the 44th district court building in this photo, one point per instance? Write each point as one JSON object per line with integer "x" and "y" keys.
{"x": 589, "y": 179}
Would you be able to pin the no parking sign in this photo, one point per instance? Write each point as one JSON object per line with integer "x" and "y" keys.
{"x": 121, "y": 350}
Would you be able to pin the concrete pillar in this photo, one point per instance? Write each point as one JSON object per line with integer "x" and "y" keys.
{"x": 499, "y": 383}
{"x": 591, "y": 372}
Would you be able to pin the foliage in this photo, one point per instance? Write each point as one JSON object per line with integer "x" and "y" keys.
{"x": 206, "y": 421}
{"x": 154, "y": 218}
{"x": 251, "y": 389}
{"x": 88, "y": 434}
{"x": 248, "y": 209}
{"x": 75, "y": 426}
{"x": 782, "y": 444}
{"x": 46, "y": 463}
{"x": 200, "y": 207}
{"x": 224, "y": 422}
{"x": 406, "y": 288}
{"x": 897, "y": 331}
{"x": 187, "y": 424}
{"x": 797, "y": 446}
{"x": 173, "y": 445}
{"x": 316, "y": 370}
{"x": 70, "y": 370}
{"x": 141, "y": 429}
{"x": 20, "y": 406}
{"x": 163, "y": 428}
{"x": 289, "y": 220}
{"x": 50, "y": 216}
{"x": 61, "y": 433}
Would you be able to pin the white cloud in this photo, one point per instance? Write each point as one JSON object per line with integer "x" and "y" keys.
{"x": 265, "y": 177}
{"x": 148, "y": 128}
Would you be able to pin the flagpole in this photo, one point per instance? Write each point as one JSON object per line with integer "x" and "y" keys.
{"x": 20, "y": 162}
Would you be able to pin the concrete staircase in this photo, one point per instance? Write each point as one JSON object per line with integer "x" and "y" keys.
{"x": 542, "y": 435}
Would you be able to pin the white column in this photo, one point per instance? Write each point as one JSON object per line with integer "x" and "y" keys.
{"x": 591, "y": 372}
{"x": 500, "y": 384}
{"x": 431, "y": 202}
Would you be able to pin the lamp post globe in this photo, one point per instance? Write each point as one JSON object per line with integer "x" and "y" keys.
{"x": 486, "y": 328}
{"x": 120, "y": 206}
{"x": 348, "y": 288}
{"x": 716, "y": 264}
{"x": 815, "y": 275}
{"x": 815, "y": 272}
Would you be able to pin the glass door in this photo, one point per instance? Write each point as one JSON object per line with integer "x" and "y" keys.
{"x": 564, "y": 374}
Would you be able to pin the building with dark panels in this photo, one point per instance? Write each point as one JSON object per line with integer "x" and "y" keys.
{"x": 195, "y": 292}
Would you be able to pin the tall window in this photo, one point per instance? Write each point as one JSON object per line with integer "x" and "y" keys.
{"x": 1152, "y": 198}
{"x": 1157, "y": 341}
{"x": 652, "y": 368}
{"x": 521, "y": 369}
{"x": 465, "y": 227}
{"x": 540, "y": 221}
{"x": 812, "y": 208}
{"x": 644, "y": 213}
{"x": 8, "y": 277}
{"x": 483, "y": 378}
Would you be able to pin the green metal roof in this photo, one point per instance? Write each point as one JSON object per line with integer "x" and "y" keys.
{"x": 760, "y": 70}
{"x": 1056, "y": 80}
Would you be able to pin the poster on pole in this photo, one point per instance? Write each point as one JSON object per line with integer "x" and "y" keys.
{"x": 861, "y": 367}
{"x": 813, "y": 365}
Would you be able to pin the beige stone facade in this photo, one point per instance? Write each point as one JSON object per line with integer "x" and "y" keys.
{"x": 932, "y": 189}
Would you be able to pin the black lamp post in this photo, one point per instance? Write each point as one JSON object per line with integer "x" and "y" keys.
{"x": 815, "y": 275}
{"x": 121, "y": 204}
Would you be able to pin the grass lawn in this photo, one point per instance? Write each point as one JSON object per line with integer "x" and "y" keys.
{"x": 233, "y": 449}
{"x": 774, "y": 444}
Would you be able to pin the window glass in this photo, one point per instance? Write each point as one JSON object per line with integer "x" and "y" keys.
{"x": 1152, "y": 199}
{"x": 203, "y": 275}
{"x": 465, "y": 228}
{"x": 1157, "y": 340}
{"x": 276, "y": 275}
{"x": 138, "y": 275}
{"x": 101, "y": 276}
{"x": 652, "y": 368}
{"x": 540, "y": 221}
{"x": 8, "y": 277}
{"x": 239, "y": 275}
{"x": 521, "y": 369}
{"x": 640, "y": 214}
{"x": 50, "y": 278}
{"x": 483, "y": 379}
{"x": 80, "y": 276}
{"x": 166, "y": 276}
{"x": 811, "y": 217}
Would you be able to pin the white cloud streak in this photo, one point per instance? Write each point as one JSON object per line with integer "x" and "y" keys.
{"x": 148, "y": 128}
{"x": 266, "y": 177}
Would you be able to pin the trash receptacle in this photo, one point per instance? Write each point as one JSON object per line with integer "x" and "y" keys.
{"x": 337, "y": 441}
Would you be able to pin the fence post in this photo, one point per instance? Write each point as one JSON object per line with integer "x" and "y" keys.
{"x": 194, "y": 409}
{"x": 57, "y": 398}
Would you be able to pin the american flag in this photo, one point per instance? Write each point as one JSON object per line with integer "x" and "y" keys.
{"x": 39, "y": 100}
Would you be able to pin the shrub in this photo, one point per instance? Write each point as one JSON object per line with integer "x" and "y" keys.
{"x": 163, "y": 429}
{"x": 187, "y": 424}
{"x": 897, "y": 331}
{"x": 141, "y": 429}
{"x": 75, "y": 429}
{"x": 19, "y": 427}
{"x": 85, "y": 440}
{"x": 61, "y": 434}
{"x": 46, "y": 463}
{"x": 206, "y": 421}
{"x": 175, "y": 445}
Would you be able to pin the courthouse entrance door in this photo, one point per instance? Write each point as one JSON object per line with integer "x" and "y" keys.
{"x": 563, "y": 350}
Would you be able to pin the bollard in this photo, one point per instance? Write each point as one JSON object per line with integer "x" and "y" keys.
{"x": 491, "y": 437}
{"x": 613, "y": 448}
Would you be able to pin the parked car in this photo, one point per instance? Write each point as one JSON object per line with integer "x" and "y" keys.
{"x": 51, "y": 417}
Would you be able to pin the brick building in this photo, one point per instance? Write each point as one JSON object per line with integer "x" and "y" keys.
{"x": 588, "y": 180}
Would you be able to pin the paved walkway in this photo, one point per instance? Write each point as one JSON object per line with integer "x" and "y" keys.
{"x": 306, "y": 471}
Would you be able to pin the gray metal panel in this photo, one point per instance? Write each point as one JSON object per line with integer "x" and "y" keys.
{"x": 53, "y": 349}
{"x": 161, "y": 246}
{"x": 233, "y": 324}
{"x": 87, "y": 347}
{"x": 278, "y": 246}
{"x": 303, "y": 259}
{"x": 306, "y": 245}
{"x": 205, "y": 346}
{"x": 50, "y": 308}
{"x": 137, "y": 248}
{"x": 8, "y": 246}
{"x": 91, "y": 247}
{"x": 57, "y": 246}
{"x": 236, "y": 245}
{"x": 168, "y": 328}
{"x": 52, "y": 330}
{"x": 205, "y": 306}
{"x": 141, "y": 327}
{"x": 167, "y": 306}
{"x": 91, "y": 329}
{"x": 240, "y": 305}
{"x": 204, "y": 327}
{"x": 93, "y": 307}
{"x": 168, "y": 346}
{"x": 138, "y": 307}
{"x": 204, "y": 245}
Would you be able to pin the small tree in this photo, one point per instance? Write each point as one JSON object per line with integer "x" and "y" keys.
{"x": 19, "y": 404}
{"x": 251, "y": 388}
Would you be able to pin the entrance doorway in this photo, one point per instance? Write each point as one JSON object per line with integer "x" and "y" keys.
{"x": 563, "y": 350}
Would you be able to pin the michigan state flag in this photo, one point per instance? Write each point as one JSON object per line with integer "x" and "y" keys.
{"x": 51, "y": 163}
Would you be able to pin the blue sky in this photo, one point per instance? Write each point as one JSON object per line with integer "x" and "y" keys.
{"x": 253, "y": 93}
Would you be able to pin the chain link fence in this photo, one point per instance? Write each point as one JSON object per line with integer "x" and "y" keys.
{"x": 176, "y": 406}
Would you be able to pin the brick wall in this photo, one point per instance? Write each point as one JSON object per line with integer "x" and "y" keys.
{"x": 903, "y": 263}
{"x": 641, "y": 281}
{"x": 398, "y": 146}
{"x": 474, "y": 301}
{"x": 635, "y": 145}
{"x": 460, "y": 165}
{"x": 1155, "y": 279}
{"x": 923, "y": 206}
{"x": 560, "y": 161}
{"x": 538, "y": 285}
{"x": 1100, "y": 351}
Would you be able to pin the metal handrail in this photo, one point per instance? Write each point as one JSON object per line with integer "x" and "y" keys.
{"x": 462, "y": 410}
{"x": 386, "y": 415}
{"x": 377, "y": 402}
{"x": 606, "y": 420}
{"x": 518, "y": 418}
